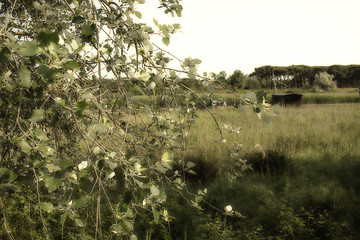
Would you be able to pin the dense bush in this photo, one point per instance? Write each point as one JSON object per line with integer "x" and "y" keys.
{"x": 91, "y": 127}
{"x": 324, "y": 81}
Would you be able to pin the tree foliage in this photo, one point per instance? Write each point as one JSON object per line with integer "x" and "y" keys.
{"x": 297, "y": 76}
{"x": 238, "y": 79}
{"x": 79, "y": 153}
{"x": 324, "y": 81}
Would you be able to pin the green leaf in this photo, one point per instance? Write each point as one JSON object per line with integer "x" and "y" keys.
{"x": 148, "y": 45}
{"x": 46, "y": 72}
{"x": 82, "y": 105}
{"x": 82, "y": 201}
{"x": 37, "y": 115}
{"x": 7, "y": 174}
{"x": 191, "y": 75}
{"x": 25, "y": 76}
{"x": 6, "y": 75}
{"x": 4, "y": 171}
{"x": 178, "y": 12}
{"x": 63, "y": 219}
{"x": 52, "y": 183}
{"x": 52, "y": 167}
{"x": 38, "y": 6}
{"x": 190, "y": 164}
{"x": 10, "y": 87}
{"x": 192, "y": 172}
{"x": 11, "y": 37}
{"x": 40, "y": 134}
{"x": 88, "y": 29}
{"x": 156, "y": 215}
{"x": 165, "y": 30}
{"x": 46, "y": 38}
{"x": 78, "y": 19}
{"x": 99, "y": 106}
{"x": 46, "y": 206}
{"x": 196, "y": 61}
{"x": 4, "y": 53}
{"x": 28, "y": 49}
{"x": 10, "y": 186}
{"x": 176, "y": 25}
{"x": 65, "y": 164}
{"x": 71, "y": 65}
{"x": 167, "y": 157}
{"x": 79, "y": 222}
{"x": 133, "y": 237}
{"x": 116, "y": 228}
{"x": 156, "y": 22}
{"x": 138, "y": 14}
{"x": 86, "y": 96}
{"x": 25, "y": 147}
{"x": 173, "y": 74}
{"x": 55, "y": 49}
{"x": 154, "y": 190}
{"x": 129, "y": 225}
{"x": 166, "y": 41}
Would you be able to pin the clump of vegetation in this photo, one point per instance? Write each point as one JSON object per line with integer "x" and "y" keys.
{"x": 305, "y": 178}
{"x": 324, "y": 81}
{"x": 93, "y": 127}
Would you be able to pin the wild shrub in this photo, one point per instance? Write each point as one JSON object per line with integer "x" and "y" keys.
{"x": 324, "y": 81}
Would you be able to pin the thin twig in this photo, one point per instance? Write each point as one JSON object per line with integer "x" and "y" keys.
{"x": 72, "y": 10}
{"x": 7, "y": 229}
{"x": 10, "y": 14}
{"x": 38, "y": 196}
{"x": 207, "y": 109}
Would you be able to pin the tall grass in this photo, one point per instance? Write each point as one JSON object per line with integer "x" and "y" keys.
{"x": 340, "y": 95}
{"x": 306, "y": 184}
{"x": 330, "y": 98}
{"x": 324, "y": 128}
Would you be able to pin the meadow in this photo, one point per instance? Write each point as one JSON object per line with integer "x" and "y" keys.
{"x": 338, "y": 95}
{"x": 303, "y": 177}
{"x": 318, "y": 127}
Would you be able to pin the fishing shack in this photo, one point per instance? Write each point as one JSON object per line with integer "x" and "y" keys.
{"x": 284, "y": 99}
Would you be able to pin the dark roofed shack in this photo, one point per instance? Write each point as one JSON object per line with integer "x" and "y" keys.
{"x": 284, "y": 99}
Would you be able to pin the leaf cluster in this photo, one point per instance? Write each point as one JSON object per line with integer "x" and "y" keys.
{"x": 77, "y": 148}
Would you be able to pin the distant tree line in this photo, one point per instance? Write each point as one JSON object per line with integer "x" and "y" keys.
{"x": 302, "y": 76}
{"x": 295, "y": 76}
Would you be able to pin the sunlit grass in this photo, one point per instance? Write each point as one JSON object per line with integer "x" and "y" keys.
{"x": 307, "y": 185}
{"x": 324, "y": 128}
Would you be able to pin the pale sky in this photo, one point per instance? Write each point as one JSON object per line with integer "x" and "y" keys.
{"x": 244, "y": 34}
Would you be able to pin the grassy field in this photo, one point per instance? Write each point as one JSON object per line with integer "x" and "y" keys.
{"x": 320, "y": 128}
{"x": 339, "y": 95}
{"x": 305, "y": 182}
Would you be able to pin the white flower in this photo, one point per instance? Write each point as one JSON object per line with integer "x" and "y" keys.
{"x": 143, "y": 76}
{"x": 137, "y": 167}
{"x": 111, "y": 175}
{"x": 151, "y": 86}
{"x": 57, "y": 100}
{"x": 228, "y": 208}
{"x": 73, "y": 175}
{"x": 82, "y": 165}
